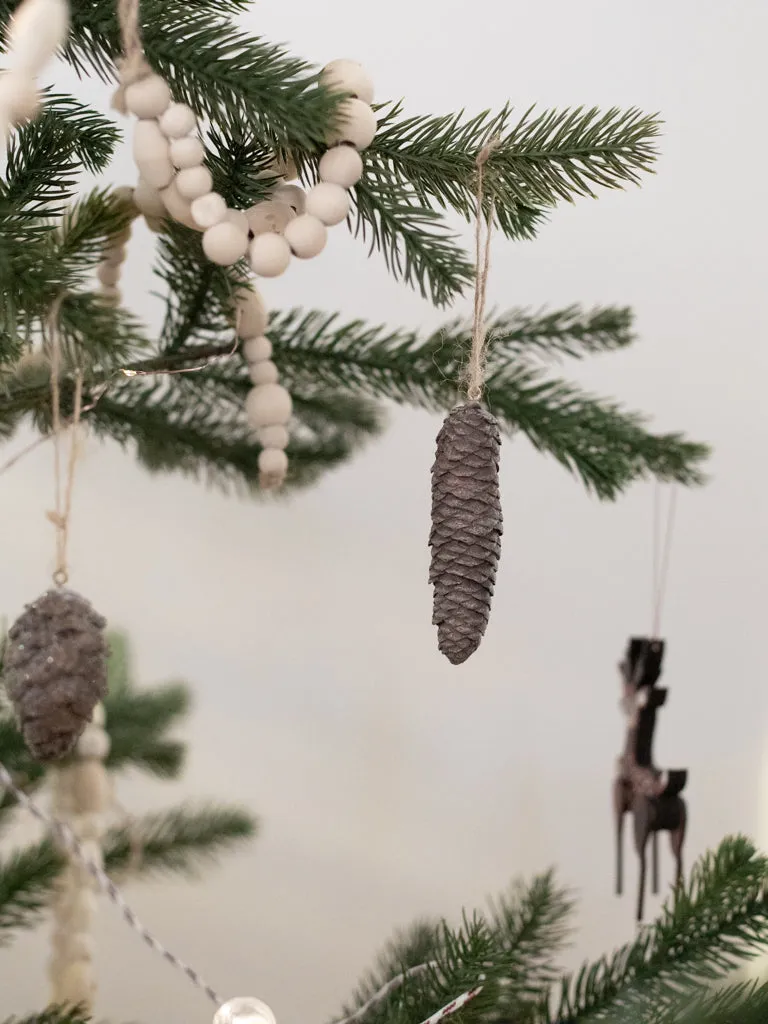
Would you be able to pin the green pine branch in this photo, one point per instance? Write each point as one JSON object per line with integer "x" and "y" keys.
{"x": 27, "y": 879}
{"x": 52, "y": 1015}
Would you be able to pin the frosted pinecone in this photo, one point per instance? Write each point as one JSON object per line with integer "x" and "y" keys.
{"x": 466, "y": 528}
{"x": 55, "y": 671}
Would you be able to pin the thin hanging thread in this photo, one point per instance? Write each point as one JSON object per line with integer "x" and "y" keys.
{"x": 483, "y": 231}
{"x": 60, "y": 515}
{"x": 662, "y": 550}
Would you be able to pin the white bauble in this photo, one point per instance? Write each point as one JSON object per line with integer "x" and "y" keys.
{"x": 293, "y": 195}
{"x": 356, "y": 124}
{"x": 268, "y": 405}
{"x": 257, "y": 349}
{"x": 194, "y": 182}
{"x": 35, "y": 32}
{"x": 151, "y": 153}
{"x": 187, "y": 152}
{"x": 251, "y": 317}
{"x": 269, "y": 215}
{"x": 209, "y": 210}
{"x": 149, "y": 97}
{"x": 273, "y": 464}
{"x": 306, "y": 235}
{"x": 19, "y": 96}
{"x": 148, "y": 200}
{"x": 273, "y": 437}
{"x": 108, "y": 274}
{"x": 178, "y": 207}
{"x": 178, "y": 120}
{"x": 329, "y": 203}
{"x": 225, "y": 244}
{"x": 348, "y": 76}
{"x": 341, "y": 165}
{"x": 269, "y": 255}
{"x": 244, "y": 1010}
{"x": 263, "y": 372}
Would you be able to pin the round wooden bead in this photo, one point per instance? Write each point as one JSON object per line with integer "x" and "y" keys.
{"x": 149, "y": 97}
{"x": 108, "y": 274}
{"x": 110, "y": 295}
{"x": 251, "y": 317}
{"x": 268, "y": 405}
{"x": 90, "y": 787}
{"x": 225, "y": 244}
{"x": 356, "y": 124}
{"x": 306, "y": 236}
{"x": 348, "y": 76}
{"x": 194, "y": 182}
{"x": 274, "y": 437}
{"x": 76, "y": 945}
{"x": 114, "y": 256}
{"x": 89, "y": 826}
{"x": 178, "y": 120}
{"x": 73, "y": 983}
{"x": 187, "y": 152}
{"x": 209, "y": 210}
{"x": 148, "y": 200}
{"x": 269, "y": 255}
{"x": 240, "y": 219}
{"x": 293, "y": 195}
{"x": 150, "y": 151}
{"x": 257, "y": 349}
{"x": 19, "y": 96}
{"x": 79, "y": 909}
{"x": 263, "y": 372}
{"x": 94, "y": 743}
{"x": 269, "y": 215}
{"x": 329, "y": 203}
{"x": 341, "y": 165}
{"x": 273, "y": 464}
{"x": 35, "y": 32}
{"x": 178, "y": 207}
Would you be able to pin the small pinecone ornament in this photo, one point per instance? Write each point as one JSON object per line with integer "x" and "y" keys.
{"x": 466, "y": 528}
{"x": 56, "y": 671}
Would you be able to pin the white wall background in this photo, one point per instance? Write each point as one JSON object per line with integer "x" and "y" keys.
{"x": 391, "y": 784}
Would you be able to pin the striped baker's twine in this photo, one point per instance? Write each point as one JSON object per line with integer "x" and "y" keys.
{"x": 69, "y": 840}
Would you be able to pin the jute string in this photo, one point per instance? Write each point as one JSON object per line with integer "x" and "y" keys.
{"x": 661, "y": 554}
{"x": 63, "y": 482}
{"x": 133, "y": 67}
{"x": 483, "y": 230}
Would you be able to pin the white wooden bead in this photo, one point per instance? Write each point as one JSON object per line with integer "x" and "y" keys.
{"x": 356, "y": 124}
{"x": 268, "y": 405}
{"x": 74, "y": 984}
{"x": 240, "y": 219}
{"x": 114, "y": 256}
{"x": 269, "y": 215}
{"x": 329, "y": 203}
{"x": 90, "y": 787}
{"x": 151, "y": 153}
{"x": 178, "y": 120}
{"x": 257, "y": 349}
{"x": 264, "y": 372}
{"x": 89, "y": 826}
{"x": 251, "y": 317}
{"x": 76, "y": 945}
{"x": 209, "y": 210}
{"x": 187, "y": 152}
{"x": 341, "y": 165}
{"x": 35, "y": 32}
{"x": 19, "y": 96}
{"x": 93, "y": 743}
{"x": 225, "y": 244}
{"x": 148, "y": 200}
{"x": 178, "y": 207}
{"x": 348, "y": 76}
{"x": 91, "y": 848}
{"x": 111, "y": 296}
{"x": 149, "y": 97}
{"x": 194, "y": 182}
{"x": 273, "y": 464}
{"x": 99, "y": 716}
{"x": 79, "y": 909}
{"x": 274, "y": 437}
{"x": 269, "y": 255}
{"x": 306, "y": 236}
{"x": 293, "y": 195}
{"x": 108, "y": 274}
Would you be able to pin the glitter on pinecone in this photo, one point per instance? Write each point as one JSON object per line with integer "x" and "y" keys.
{"x": 55, "y": 671}
{"x": 466, "y": 528}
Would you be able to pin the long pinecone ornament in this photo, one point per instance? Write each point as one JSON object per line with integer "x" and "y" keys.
{"x": 466, "y": 528}
{"x": 56, "y": 671}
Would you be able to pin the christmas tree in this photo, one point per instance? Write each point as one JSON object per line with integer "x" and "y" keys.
{"x": 266, "y": 110}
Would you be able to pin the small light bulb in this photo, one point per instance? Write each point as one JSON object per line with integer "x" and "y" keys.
{"x": 129, "y": 373}
{"x": 244, "y": 1010}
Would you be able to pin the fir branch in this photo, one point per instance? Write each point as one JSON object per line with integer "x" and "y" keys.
{"x": 137, "y": 721}
{"x": 53, "y": 1015}
{"x": 26, "y": 882}
{"x": 181, "y": 841}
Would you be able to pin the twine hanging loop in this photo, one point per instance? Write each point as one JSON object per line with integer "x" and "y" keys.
{"x": 483, "y": 230}
{"x": 133, "y": 66}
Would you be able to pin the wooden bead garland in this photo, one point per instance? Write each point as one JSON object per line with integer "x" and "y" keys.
{"x": 36, "y": 30}
{"x": 81, "y": 799}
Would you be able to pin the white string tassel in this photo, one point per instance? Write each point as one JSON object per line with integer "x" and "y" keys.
{"x": 81, "y": 791}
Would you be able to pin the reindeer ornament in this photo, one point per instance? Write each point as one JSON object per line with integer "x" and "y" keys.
{"x": 653, "y": 796}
